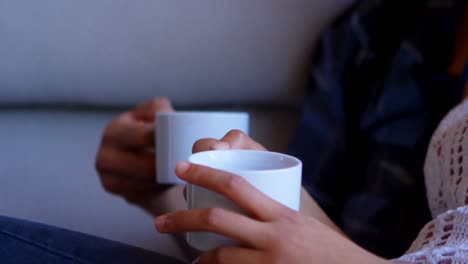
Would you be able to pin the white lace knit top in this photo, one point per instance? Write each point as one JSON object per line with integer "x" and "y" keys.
{"x": 444, "y": 240}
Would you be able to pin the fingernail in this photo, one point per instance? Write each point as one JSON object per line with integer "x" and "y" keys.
{"x": 195, "y": 261}
{"x": 160, "y": 223}
{"x": 181, "y": 168}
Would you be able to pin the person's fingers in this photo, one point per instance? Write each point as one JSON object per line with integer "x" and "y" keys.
{"x": 135, "y": 129}
{"x": 234, "y": 139}
{"x": 239, "y": 140}
{"x": 209, "y": 144}
{"x": 147, "y": 110}
{"x": 233, "y": 187}
{"x": 111, "y": 159}
{"x": 126, "y": 132}
{"x": 239, "y": 227}
{"x": 231, "y": 255}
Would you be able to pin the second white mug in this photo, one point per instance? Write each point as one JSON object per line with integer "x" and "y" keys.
{"x": 176, "y": 132}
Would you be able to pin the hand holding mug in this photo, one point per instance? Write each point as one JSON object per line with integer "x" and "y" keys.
{"x": 270, "y": 233}
{"x": 125, "y": 158}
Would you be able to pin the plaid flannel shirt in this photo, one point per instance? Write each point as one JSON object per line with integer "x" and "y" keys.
{"x": 378, "y": 87}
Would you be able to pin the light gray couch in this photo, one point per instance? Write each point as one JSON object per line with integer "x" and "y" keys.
{"x": 68, "y": 67}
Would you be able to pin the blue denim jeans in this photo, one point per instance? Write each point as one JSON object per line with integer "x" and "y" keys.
{"x": 28, "y": 242}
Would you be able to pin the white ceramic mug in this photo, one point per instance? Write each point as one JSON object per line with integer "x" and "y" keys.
{"x": 276, "y": 175}
{"x": 176, "y": 132}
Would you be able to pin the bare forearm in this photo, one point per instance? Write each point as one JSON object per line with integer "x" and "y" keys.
{"x": 357, "y": 255}
{"x": 311, "y": 208}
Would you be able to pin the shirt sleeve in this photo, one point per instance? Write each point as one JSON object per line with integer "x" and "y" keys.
{"x": 442, "y": 241}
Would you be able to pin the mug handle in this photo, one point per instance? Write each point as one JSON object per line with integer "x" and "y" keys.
{"x": 189, "y": 196}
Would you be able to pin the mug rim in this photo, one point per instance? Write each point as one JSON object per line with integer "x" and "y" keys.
{"x": 297, "y": 162}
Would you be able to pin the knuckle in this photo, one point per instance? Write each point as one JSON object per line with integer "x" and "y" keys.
{"x": 233, "y": 182}
{"x": 293, "y": 217}
{"x": 271, "y": 236}
{"x": 236, "y": 134}
{"x": 213, "y": 216}
{"x": 199, "y": 145}
{"x": 194, "y": 174}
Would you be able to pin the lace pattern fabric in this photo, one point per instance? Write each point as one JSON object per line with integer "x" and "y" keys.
{"x": 444, "y": 240}
{"x": 446, "y": 166}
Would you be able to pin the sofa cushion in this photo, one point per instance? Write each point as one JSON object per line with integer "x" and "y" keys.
{"x": 48, "y": 175}
{"x": 118, "y": 52}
